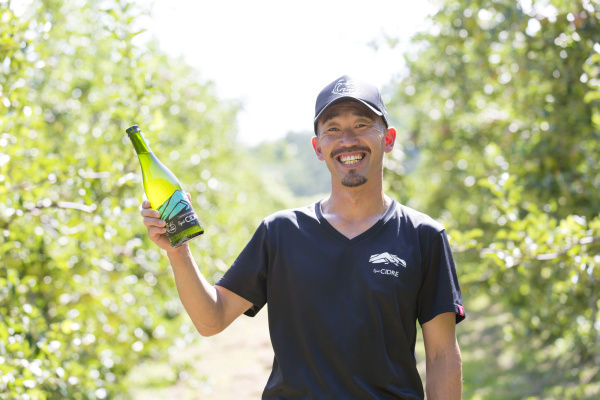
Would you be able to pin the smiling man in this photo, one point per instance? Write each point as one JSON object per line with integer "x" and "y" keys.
{"x": 352, "y": 155}
{"x": 346, "y": 278}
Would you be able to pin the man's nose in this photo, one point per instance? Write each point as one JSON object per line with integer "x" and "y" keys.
{"x": 349, "y": 137}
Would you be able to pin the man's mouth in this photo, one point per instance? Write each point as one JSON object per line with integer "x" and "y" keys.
{"x": 352, "y": 155}
{"x": 350, "y": 159}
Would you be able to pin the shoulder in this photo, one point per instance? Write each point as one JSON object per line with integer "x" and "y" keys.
{"x": 411, "y": 218}
{"x": 291, "y": 216}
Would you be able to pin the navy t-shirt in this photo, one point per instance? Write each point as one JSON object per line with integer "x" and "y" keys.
{"x": 343, "y": 312}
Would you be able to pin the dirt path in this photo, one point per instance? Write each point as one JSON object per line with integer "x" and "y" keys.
{"x": 238, "y": 361}
{"x": 234, "y": 364}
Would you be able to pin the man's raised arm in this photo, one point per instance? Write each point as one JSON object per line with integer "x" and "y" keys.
{"x": 211, "y": 308}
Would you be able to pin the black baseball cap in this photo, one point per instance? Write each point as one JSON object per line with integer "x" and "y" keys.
{"x": 346, "y": 88}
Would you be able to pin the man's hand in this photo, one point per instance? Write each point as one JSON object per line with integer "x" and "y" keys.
{"x": 156, "y": 226}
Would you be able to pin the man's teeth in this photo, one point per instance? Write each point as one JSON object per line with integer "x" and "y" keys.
{"x": 350, "y": 159}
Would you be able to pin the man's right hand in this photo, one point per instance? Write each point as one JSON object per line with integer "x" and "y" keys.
{"x": 156, "y": 226}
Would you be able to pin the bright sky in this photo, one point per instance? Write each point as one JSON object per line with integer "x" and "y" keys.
{"x": 275, "y": 56}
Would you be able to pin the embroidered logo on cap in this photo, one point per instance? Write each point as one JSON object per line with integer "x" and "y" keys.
{"x": 344, "y": 86}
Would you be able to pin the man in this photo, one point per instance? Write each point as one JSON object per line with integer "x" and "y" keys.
{"x": 346, "y": 278}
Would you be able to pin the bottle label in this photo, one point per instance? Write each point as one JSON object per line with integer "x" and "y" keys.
{"x": 178, "y": 213}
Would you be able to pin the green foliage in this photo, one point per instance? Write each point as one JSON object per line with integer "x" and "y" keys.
{"x": 84, "y": 294}
{"x": 504, "y": 131}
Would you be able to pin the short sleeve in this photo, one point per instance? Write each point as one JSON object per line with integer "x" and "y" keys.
{"x": 440, "y": 290}
{"x": 247, "y": 276}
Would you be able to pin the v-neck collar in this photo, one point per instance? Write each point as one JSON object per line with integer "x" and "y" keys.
{"x": 343, "y": 238}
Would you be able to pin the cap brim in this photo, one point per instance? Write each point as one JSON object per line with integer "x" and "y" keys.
{"x": 342, "y": 100}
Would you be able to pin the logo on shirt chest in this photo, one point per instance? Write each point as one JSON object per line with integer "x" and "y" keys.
{"x": 387, "y": 259}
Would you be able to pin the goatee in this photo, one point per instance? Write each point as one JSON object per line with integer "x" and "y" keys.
{"x": 353, "y": 180}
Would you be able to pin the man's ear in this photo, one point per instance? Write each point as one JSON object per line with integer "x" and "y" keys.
{"x": 390, "y": 139}
{"x": 317, "y": 147}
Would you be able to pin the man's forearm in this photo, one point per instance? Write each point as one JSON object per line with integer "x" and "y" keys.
{"x": 200, "y": 299}
{"x": 444, "y": 376}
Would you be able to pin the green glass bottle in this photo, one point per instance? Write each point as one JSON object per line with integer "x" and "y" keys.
{"x": 164, "y": 192}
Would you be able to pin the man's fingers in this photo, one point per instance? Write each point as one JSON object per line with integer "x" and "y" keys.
{"x": 155, "y": 231}
{"x": 189, "y": 196}
{"x": 156, "y": 226}
{"x": 149, "y": 212}
{"x": 149, "y": 222}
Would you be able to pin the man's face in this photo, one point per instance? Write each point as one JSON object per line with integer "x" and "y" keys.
{"x": 352, "y": 140}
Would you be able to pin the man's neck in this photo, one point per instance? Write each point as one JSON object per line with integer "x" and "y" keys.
{"x": 353, "y": 210}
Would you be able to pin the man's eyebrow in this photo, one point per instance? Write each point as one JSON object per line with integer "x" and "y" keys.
{"x": 334, "y": 114}
{"x": 330, "y": 116}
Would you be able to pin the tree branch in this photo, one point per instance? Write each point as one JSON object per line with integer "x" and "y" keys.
{"x": 75, "y": 206}
{"x": 540, "y": 257}
{"x": 582, "y": 241}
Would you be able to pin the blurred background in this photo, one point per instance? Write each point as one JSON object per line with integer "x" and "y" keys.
{"x": 497, "y": 107}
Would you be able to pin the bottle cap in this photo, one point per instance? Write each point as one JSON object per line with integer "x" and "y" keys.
{"x": 132, "y": 129}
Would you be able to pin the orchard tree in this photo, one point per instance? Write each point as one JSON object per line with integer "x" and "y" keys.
{"x": 504, "y": 135}
{"x": 84, "y": 294}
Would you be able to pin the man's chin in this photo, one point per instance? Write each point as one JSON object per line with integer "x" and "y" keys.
{"x": 353, "y": 180}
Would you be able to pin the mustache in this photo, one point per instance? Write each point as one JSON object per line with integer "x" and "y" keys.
{"x": 353, "y": 149}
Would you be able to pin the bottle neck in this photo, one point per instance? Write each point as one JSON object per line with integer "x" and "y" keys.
{"x": 139, "y": 144}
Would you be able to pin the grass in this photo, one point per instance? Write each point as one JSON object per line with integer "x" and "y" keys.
{"x": 497, "y": 366}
